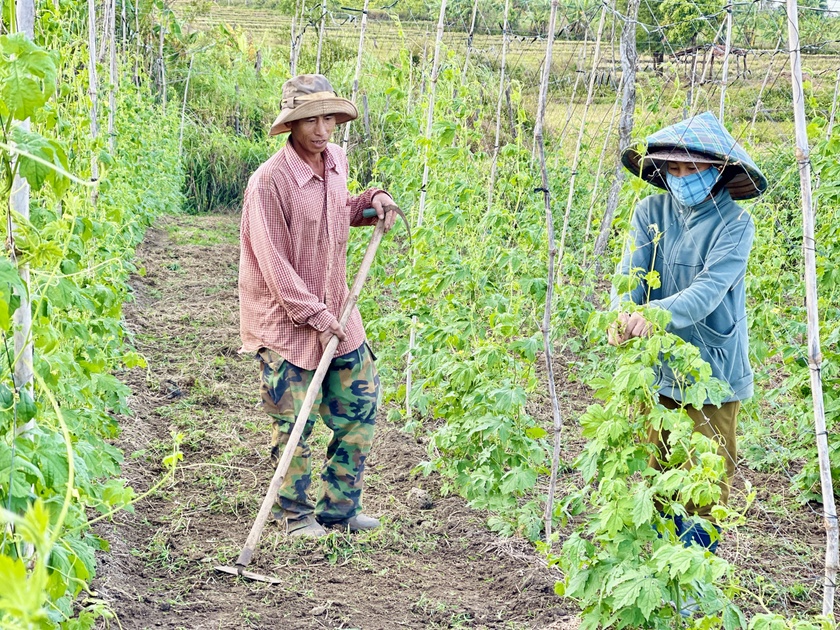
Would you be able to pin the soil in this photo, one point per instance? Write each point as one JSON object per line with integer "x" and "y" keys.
{"x": 428, "y": 566}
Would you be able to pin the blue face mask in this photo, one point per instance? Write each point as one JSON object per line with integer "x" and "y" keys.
{"x": 692, "y": 189}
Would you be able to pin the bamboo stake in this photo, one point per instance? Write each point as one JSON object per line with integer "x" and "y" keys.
{"x": 549, "y": 292}
{"x": 123, "y": 26}
{"x": 726, "y": 52}
{"x": 106, "y": 21}
{"x": 596, "y": 187}
{"x": 93, "y": 89}
{"x": 505, "y": 32}
{"x": 161, "y": 64}
{"x": 832, "y": 551}
{"x": 19, "y": 202}
{"x": 362, "y": 27}
{"x": 321, "y": 29}
{"x": 830, "y": 126}
{"x": 137, "y": 40}
{"x": 596, "y": 59}
{"x": 758, "y": 102}
{"x": 625, "y": 124}
{"x": 112, "y": 92}
{"x": 184, "y": 109}
{"x": 430, "y": 115}
{"x": 292, "y": 58}
{"x": 469, "y": 49}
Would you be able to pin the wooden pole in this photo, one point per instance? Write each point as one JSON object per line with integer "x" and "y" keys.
{"x": 552, "y": 253}
{"x": 430, "y": 116}
{"x": 469, "y": 49}
{"x": 321, "y": 30}
{"x": 123, "y": 26}
{"x": 505, "y": 31}
{"x": 112, "y": 92}
{"x": 830, "y": 126}
{"x": 625, "y": 124}
{"x": 137, "y": 43}
{"x": 726, "y": 52}
{"x": 832, "y": 550}
{"x": 292, "y": 57}
{"x": 596, "y": 59}
{"x": 597, "y": 186}
{"x": 362, "y": 27}
{"x": 93, "y": 90}
{"x": 161, "y": 64}
{"x": 184, "y": 109}
{"x": 758, "y": 102}
{"x": 19, "y": 202}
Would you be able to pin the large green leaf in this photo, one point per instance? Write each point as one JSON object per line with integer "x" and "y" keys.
{"x": 27, "y": 76}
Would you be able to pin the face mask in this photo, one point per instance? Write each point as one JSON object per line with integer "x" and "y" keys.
{"x": 692, "y": 189}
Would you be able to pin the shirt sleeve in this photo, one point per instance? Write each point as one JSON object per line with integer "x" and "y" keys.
{"x": 271, "y": 241}
{"x": 638, "y": 254}
{"x": 725, "y": 266}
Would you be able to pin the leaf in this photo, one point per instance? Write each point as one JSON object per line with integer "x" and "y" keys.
{"x": 650, "y": 596}
{"x": 53, "y": 167}
{"x": 28, "y": 79}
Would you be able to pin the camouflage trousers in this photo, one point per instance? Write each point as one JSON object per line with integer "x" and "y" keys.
{"x": 347, "y": 404}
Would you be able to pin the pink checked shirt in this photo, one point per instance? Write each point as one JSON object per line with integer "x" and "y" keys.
{"x": 292, "y": 264}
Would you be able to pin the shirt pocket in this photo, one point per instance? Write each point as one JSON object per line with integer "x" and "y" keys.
{"x": 686, "y": 264}
{"x": 340, "y": 210}
{"x": 721, "y": 350}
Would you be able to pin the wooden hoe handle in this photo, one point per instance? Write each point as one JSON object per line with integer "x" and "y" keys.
{"x": 311, "y": 393}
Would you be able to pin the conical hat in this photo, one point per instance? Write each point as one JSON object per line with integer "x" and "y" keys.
{"x": 704, "y": 136}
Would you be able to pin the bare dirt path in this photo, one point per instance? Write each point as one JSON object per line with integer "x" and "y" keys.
{"x": 426, "y": 568}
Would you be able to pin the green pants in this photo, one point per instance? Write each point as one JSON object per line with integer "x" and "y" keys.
{"x": 716, "y": 423}
{"x": 347, "y": 404}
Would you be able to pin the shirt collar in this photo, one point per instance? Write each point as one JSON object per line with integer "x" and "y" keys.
{"x": 300, "y": 170}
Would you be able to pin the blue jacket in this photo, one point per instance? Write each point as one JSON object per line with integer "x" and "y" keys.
{"x": 701, "y": 258}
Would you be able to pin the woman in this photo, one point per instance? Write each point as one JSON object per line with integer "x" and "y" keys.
{"x": 698, "y": 240}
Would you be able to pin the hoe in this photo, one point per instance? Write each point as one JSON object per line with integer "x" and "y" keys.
{"x": 253, "y": 539}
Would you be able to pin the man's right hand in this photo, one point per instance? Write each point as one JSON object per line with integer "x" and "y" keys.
{"x": 334, "y": 329}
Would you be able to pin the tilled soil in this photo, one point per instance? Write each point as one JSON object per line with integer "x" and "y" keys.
{"x": 427, "y": 567}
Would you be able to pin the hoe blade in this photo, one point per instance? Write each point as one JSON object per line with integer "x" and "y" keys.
{"x": 248, "y": 575}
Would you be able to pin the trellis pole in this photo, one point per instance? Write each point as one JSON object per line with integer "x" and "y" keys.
{"x": 832, "y": 551}
{"x": 625, "y": 123}
{"x": 19, "y": 203}
{"x": 726, "y": 52}
{"x": 362, "y": 27}
{"x": 421, "y": 206}
{"x": 161, "y": 64}
{"x": 505, "y": 32}
{"x": 112, "y": 92}
{"x": 321, "y": 29}
{"x": 758, "y": 102}
{"x": 93, "y": 89}
{"x": 596, "y": 59}
{"x": 470, "y": 36}
{"x": 830, "y": 126}
{"x": 552, "y": 252}
{"x": 184, "y": 108}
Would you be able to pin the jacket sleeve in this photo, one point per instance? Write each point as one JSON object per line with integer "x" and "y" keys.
{"x": 271, "y": 243}
{"x": 359, "y": 203}
{"x": 726, "y": 265}
{"x": 638, "y": 254}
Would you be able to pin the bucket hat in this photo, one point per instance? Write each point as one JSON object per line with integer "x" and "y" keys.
{"x": 700, "y": 139}
{"x": 308, "y": 95}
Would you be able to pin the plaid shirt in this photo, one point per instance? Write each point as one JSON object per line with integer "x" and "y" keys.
{"x": 292, "y": 264}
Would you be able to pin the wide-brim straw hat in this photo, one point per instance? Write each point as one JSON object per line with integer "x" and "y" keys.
{"x": 308, "y": 95}
{"x": 699, "y": 139}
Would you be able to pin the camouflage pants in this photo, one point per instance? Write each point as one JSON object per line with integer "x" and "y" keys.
{"x": 347, "y": 404}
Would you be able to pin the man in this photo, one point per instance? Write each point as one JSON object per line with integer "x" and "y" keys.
{"x": 292, "y": 283}
{"x": 698, "y": 240}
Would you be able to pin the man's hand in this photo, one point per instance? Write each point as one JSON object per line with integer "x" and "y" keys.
{"x": 627, "y": 326}
{"x": 381, "y": 201}
{"x": 335, "y": 329}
